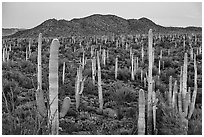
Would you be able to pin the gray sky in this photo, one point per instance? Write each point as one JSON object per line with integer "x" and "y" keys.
{"x": 30, "y": 14}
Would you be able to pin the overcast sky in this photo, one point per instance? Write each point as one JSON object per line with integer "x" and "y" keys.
{"x": 30, "y": 14}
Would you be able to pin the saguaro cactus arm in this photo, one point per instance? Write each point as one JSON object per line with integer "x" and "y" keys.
{"x": 65, "y": 106}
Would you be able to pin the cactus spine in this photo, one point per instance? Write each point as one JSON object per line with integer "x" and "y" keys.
{"x": 149, "y": 102}
{"x": 141, "y": 117}
{"x": 99, "y": 84}
{"x": 53, "y": 86}
{"x": 39, "y": 93}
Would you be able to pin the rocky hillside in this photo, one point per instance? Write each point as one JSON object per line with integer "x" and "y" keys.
{"x": 9, "y": 31}
{"x": 99, "y": 25}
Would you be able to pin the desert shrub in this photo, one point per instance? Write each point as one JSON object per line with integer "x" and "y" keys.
{"x": 165, "y": 74}
{"x": 195, "y": 123}
{"x": 89, "y": 87}
{"x": 168, "y": 121}
{"x": 124, "y": 94}
{"x": 123, "y": 74}
{"x": 199, "y": 57}
{"x": 167, "y": 62}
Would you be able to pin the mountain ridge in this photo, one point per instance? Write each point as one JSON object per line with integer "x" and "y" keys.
{"x": 98, "y": 24}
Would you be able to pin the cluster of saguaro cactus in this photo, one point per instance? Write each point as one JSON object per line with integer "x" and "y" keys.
{"x": 151, "y": 98}
{"x": 181, "y": 101}
{"x": 53, "y": 119}
{"x": 39, "y": 93}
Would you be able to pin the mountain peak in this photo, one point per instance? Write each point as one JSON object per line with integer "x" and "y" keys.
{"x": 98, "y": 24}
{"x": 146, "y": 20}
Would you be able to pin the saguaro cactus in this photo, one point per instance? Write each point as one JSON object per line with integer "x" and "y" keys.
{"x": 100, "y": 94}
{"x": 29, "y": 49}
{"x": 170, "y": 91}
{"x": 185, "y": 105}
{"x": 83, "y": 60}
{"x": 116, "y": 67}
{"x": 185, "y": 66}
{"x": 77, "y": 86}
{"x": 65, "y": 106}
{"x": 63, "y": 73}
{"x": 175, "y": 94}
{"x": 192, "y": 103}
{"x": 141, "y": 117}
{"x": 39, "y": 93}
{"x": 104, "y": 57}
{"x": 142, "y": 54}
{"x": 53, "y": 86}
{"x": 132, "y": 68}
{"x": 3, "y": 55}
{"x": 159, "y": 67}
{"x": 149, "y": 102}
{"x": 93, "y": 69}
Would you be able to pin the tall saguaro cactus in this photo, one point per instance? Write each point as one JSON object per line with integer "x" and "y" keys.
{"x": 53, "y": 87}
{"x": 149, "y": 100}
{"x": 185, "y": 66}
{"x": 100, "y": 95}
{"x": 192, "y": 103}
{"x": 39, "y": 93}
